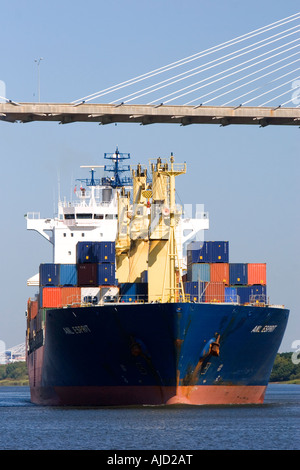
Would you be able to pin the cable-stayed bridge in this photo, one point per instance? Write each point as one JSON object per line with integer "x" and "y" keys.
{"x": 251, "y": 79}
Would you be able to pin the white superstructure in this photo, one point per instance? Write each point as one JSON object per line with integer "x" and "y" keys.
{"x": 92, "y": 216}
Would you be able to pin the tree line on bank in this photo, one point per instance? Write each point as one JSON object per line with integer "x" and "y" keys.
{"x": 14, "y": 373}
{"x": 284, "y": 370}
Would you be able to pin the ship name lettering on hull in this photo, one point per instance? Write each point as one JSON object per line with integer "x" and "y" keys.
{"x": 264, "y": 329}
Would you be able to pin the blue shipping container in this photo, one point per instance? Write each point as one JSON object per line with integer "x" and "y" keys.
{"x": 230, "y": 294}
{"x": 198, "y": 252}
{"x": 106, "y": 274}
{"x": 195, "y": 291}
{"x": 84, "y": 253}
{"x": 49, "y": 274}
{"x": 134, "y": 291}
{"x": 106, "y": 252}
{"x": 95, "y": 252}
{"x": 219, "y": 252}
{"x": 238, "y": 274}
{"x": 252, "y": 294}
{"x": 68, "y": 275}
{"x": 208, "y": 252}
{"x": 258, "y": 293}
{"x": 198, "y": 272}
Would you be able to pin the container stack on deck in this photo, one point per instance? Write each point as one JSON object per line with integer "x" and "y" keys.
{"x": 90, "y": 281}
{"x": 211, "y": 278}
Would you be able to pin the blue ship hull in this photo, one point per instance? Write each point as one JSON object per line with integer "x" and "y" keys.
{"x": 139, "y": 354}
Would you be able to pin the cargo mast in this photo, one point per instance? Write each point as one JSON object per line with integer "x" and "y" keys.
{"x": 163, "y": 253}
{"x": 171, "y": 173}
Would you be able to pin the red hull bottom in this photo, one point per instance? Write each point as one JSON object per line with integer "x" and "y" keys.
{"x": 126, "y": 396}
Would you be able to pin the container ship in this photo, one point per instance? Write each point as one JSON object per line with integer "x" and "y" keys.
{"x": 135, "y": 308}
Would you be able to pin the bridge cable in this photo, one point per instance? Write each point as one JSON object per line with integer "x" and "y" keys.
{"x": 221, "y": 73}
{"x": 260, "y": 87}
{"x": 278, "y": 96}
{"x": 247, "y": 83}
{"x": 192, "y": 70}
{"x": 183, "y": 61}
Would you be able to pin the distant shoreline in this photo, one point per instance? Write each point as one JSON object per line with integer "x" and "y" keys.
{"x": 284, "y": 371}
{"x": 25, "y": 383}
{"x": 14, "y": 383}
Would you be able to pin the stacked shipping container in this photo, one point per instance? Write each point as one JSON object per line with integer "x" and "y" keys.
{"x": 219, "y": 272}
{"x": 195, "y": 291}
{"x": 134, "y": 292}
{"x": 238, "y": 274}
{"x": 211, "y": 278}
{"x": 257, "y": 273}
{"x": 64, "y": 284}
{"x": 95, "y": 252}
{"x": 198, "y": 272}
{"x": 55, "y": 297}
{"x": 68, "y": 275}
{"x": 255, "y": 293}
{"x": 208, "y": 252}
{"x": 207, "y": 271}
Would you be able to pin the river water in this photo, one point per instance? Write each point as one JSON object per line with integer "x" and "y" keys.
{"x": 271, "y": 426}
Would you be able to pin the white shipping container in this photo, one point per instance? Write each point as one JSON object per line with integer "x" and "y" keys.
{"x": 90, "y": 295}
{"x": 109, "y": 294}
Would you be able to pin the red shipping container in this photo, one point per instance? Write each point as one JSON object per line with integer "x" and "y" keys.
{"x": 71, "y": 296}
{"x": 219, "y": 272}
{"x": 51, "y": 297}
{"x": 257, "y": 273}
{"x": 215, "y": 292}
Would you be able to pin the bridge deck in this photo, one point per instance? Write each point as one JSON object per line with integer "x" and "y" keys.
{"x": 148, "y": 114}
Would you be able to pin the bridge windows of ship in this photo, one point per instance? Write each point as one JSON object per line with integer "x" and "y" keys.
{"x": 82, "y": 234}
{"x": 83, "y": 215}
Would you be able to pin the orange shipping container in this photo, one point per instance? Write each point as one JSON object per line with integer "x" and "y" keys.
{"x": 71, "y": 296}
{"x": 257, "y": 273}
{"x": 32, "y": 309}
{"x": 219, "y": 272}
{"x": 215, "y": 292}
{"x": 50, "y": 297}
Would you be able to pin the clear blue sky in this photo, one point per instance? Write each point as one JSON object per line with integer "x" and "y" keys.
{"x": 247, "y": 177}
